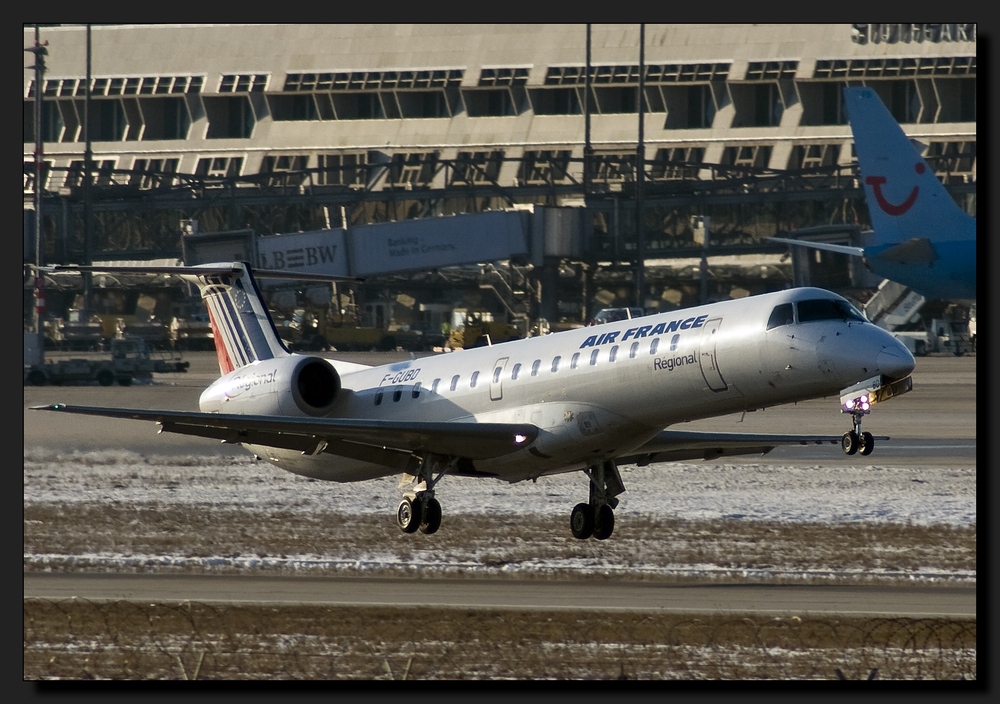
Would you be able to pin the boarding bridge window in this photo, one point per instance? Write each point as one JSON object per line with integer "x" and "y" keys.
{"x": 454, "y": 382}
{"x": 593, "y": 357}
{"x": 416, "y": 390}
{"x": 555, "y": 363}
{"x": 515, "y": 371}
{"x": 534, "y": 367}
{"x": 573, "y": 360}
{"x": 828, "y": 309}
{"x": 653, "y": 345}
{"x": 614, "y": 354}
{"x": 473, "y": 380}
{"x": 781, "y": 315}
{"x": 633, "y": 350}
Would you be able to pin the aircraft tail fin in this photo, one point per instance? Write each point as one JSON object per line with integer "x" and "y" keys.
{"x": 905, "y": 198}
{"x": 243, "y": 329}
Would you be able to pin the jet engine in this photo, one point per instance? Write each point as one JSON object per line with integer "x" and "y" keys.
{"x": 287, "y": 386}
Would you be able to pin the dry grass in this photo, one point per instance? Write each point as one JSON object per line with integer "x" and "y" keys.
{"x": 123, "y": 640}
{"x": 496, "y": 545}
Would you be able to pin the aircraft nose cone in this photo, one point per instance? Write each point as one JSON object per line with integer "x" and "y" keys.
{"x": 895, "y": 361}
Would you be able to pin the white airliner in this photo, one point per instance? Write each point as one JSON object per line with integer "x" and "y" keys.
{"x": 589, "y": 399}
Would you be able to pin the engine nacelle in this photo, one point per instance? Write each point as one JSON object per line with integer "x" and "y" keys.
{"x": 290, "y": 386}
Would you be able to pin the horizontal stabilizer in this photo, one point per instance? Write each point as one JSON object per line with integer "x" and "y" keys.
{"x": 839, "y": 248}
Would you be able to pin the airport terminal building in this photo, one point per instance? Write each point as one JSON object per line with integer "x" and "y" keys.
{"x": 381, "y": 122}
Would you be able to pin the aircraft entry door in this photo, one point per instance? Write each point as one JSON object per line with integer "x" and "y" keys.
{"x": 709, "y": 365}
{"x": 496, "y": 380}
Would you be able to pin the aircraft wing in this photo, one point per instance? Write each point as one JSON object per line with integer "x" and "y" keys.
{"x": 678, "y": 445}
{"x": 340, "y": 436}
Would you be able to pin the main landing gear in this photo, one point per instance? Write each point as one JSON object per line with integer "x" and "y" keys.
{"x": 855, "y": 441}
{"x": 597, "y": 518}
{"x": 419, "y": 510}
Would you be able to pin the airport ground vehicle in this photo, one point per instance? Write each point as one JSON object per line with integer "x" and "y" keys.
{"x": 478, "y": 329}
{"x": 128, "y": 359}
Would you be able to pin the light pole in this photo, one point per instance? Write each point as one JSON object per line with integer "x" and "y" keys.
{"x": 40, "y": 53}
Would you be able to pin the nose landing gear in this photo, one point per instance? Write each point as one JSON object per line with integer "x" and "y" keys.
{"x": 855, "y": 441}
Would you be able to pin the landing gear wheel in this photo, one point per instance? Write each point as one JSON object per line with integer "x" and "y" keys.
{"x": 431, "y": 516}
{"x": 867, "y": 443}
{"x": 408, "y": 515}
{"x": 605, "y": 524}
{"x": 850, "y": 442}
{"x": 581, "y": 521}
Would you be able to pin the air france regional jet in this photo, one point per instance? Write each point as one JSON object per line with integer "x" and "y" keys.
{"x": 586, "y": 400}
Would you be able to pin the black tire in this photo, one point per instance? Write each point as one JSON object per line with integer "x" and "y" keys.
{"x": 431, "y": 516}
{"x": 408, "y": 515}
{"x": 920, "y": 349}
{"x": 604, "y": 526}
{"x": 125, "y": 381}
{"x": 105, "y": 377}
{"x": 581, "y": 521}
{"x": 36, "y": 377}
{"x": 867, "y": 443}
{"x": 850, "y": 442}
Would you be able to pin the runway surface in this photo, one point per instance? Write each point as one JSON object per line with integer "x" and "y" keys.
{"x": 783, "y": 600}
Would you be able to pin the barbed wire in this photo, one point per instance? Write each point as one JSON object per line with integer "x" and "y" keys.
{"x": 83, "y": 639}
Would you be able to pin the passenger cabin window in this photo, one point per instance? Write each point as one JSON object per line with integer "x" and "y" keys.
{"x": 534, "y": 367}
{"x": 633, "y": 350}
{"x": 555, "y": 363}
{"x": 378, "y": 397}
{"x": 474, "y": 379}
{"x": 781, "y": 315}
{"x": 653, "y": 345}
{"x": 454, "y": 382}
{"x": 496, "y": 375}
{"x": 573, "y": 360}
{"x": 828, "y": 309}
{"x": 434, "y": 386}
{"x": 416, "y": 390}
{"x": 593, "y": 357}
{"x": 673, "y": 342}
{"x": 515, "y": 371}
{"x": 614, "y": 354}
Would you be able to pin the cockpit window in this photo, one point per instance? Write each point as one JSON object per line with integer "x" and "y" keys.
{"x": 828, "y": 309}
{"x": 781, "y": 315}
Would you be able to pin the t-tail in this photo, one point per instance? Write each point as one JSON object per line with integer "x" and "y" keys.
{"x": 243, "y": 329}
{"x": 905, "y": 198}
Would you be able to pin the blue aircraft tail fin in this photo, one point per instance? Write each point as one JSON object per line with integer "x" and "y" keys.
{"x": 905, "y": 198}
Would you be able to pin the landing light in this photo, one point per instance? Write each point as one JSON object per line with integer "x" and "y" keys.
{"x": 519, "y": 439}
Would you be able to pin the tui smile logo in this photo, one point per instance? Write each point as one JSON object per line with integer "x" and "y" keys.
{"x": 876, "y": 183}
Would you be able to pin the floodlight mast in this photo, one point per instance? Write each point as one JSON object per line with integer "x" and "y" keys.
{"x": 40, "y": 53}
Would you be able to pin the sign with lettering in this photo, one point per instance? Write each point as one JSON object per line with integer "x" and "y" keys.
{"x": 428, "y": 243}
{"x": 318, "y": 252}
{"x": 908, "y": 33}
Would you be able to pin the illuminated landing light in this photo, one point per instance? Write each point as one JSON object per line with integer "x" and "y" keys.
{"x": 519, "y": 439}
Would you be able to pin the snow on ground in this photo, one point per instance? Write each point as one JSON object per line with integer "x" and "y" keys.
{"x": 707, "y": 490}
